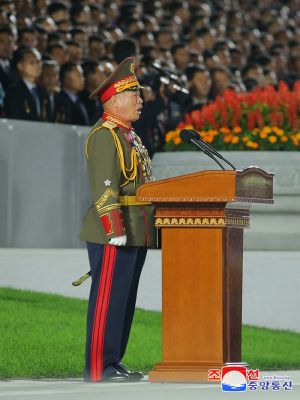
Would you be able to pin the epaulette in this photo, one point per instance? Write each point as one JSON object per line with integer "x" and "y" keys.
{"x": 129, "y": 173}
{"x": 109, "y": 125}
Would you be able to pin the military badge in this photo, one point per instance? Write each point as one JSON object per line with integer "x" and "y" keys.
{"x": 131, "y": 68}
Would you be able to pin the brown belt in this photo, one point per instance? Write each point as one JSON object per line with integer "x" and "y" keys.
{"x": 131, "y": 201}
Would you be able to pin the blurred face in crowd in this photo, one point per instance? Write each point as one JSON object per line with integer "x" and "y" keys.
{"x": 6, "y": 45}
{"x": 8, "y": 7}
{"x": 146, "y": 39}
{"x": 294, "y": 65}
{"x": 224, "y": 56}
{"x": 24, "y": 7}
{"x": 269, "y": 78}
{"x": 48, "y": 24}
{"x": 255, "y": 73}
{"x": 200, "y": 84}
{"x": 84, "y": 17}
{"x": 126, "y": 105}
{"x": 23, "y": 21}
{"x": 280, "y": 62}
{"x": 28, "y": 39}
{"x": 196, "y": 43}
{"x": 41, "y": 42}
{"x": 41, "y": 6}
{"x": 116, "y": 33}
{"x": 165, "y": 40}
{"x": 49, "y": 78}
{"x": 112, "y": 12}
{"x": 209, "y": 39}
{"x": 183, "y": 12}
{"x": 212, "y": 61}
{"x": 135, "y": 26}
{"x": 64, "y": 25}
{"x": 93, "y": 80}
{"x": 96, "y": 50}
{"x": 75, "y": 53}
{"x": 151, "y": 24}
{"x": 107, "y": 68}
{"x": 81, "y": 39}
{"x": 181, "y": 57}
{"x": 74, "y": 80}
{"x": 60, "y": 15}
{"x": 30, "y": 66}
{"x": 237, "y": 59}
{"x": 220, "y": 81}
{"x": 60, "y": 55}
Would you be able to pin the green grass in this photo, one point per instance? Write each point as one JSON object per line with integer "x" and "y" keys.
{"x": 44, "y": 336}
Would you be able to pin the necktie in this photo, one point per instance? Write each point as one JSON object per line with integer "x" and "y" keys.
{"x": 35, "y": 95}
{"x": 83, "y": 109}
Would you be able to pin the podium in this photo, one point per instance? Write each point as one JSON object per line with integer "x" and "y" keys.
{"x": 201, "y": 217}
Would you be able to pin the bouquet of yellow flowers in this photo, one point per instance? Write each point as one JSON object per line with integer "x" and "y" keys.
{"x": 264, "y": 119}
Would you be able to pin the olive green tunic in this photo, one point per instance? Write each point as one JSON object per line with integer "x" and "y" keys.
{"x": 117, "y": 164}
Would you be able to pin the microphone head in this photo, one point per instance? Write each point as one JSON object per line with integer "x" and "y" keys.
{"x": 186, "y": 135}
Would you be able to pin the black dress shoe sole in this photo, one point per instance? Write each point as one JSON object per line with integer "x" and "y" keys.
{"x": 116, "y": 379}
{"x": 135, "y": 376}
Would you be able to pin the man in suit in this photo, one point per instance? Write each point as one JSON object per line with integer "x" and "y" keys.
{"x": 70, "y": 109}
{"x": 49, "y": 81}
{"x": 92, "y": 76}
{"x": 117, "y": 228}
{"x": 25, "y": 99}
{"x": 7, "y": 43}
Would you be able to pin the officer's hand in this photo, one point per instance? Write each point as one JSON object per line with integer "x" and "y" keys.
{"x": 118, "y": 241}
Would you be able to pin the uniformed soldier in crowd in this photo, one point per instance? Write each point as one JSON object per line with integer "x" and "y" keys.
{"x": 25, "y": 99}
{"x": 117, "y": 228}
{"x": 69, "y": 108}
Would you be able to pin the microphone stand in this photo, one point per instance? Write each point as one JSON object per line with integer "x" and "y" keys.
{"x": 210, "y": 149}
{"x": 205, "y": 151}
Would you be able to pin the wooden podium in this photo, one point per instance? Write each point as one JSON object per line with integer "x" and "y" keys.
{"x": 201, "y": 217}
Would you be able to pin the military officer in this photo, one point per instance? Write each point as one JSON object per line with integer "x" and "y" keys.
{"x": 117, "y": 228}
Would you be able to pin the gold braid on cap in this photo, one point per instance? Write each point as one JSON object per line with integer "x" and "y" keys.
{"x": 126, "y": 83}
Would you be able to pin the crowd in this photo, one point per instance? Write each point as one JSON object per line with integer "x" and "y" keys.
{"x": 53, "y": 54}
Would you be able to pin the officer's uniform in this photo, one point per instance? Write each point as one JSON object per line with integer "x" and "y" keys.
{"x": 117, "y": 164}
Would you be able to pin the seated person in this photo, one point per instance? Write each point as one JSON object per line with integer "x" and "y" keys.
{"x": 25, "y": 99}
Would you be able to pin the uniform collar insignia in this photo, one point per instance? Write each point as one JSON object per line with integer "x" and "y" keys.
{"x": 118, "y": 121}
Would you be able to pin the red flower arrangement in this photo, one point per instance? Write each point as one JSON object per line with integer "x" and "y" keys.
{"x": 264, "y": 119}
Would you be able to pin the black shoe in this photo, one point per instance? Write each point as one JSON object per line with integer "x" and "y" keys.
{"x": 133, "y": 375}
{"x": 111, "y": 374}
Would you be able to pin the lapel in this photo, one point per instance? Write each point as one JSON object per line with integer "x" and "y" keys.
{"x": 28, "y": 100}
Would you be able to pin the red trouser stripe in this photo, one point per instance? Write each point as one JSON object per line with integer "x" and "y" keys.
{"x": 106, "y": 302}
{"x": 97, "y": 312}
{"x": 103, "y": 297}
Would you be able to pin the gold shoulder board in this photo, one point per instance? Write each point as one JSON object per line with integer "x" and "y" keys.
{"x": 109, "y": 125}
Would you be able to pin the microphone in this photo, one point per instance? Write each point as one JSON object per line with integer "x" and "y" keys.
{"x": 210, "y": 148}
{"x": 178, "y": 84}
{"x": 189, "y": 137}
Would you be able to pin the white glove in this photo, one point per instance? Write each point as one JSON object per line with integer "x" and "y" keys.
{"x": 118, "y": 241}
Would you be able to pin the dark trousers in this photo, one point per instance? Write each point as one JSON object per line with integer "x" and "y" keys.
{"x": 116, "y": 272}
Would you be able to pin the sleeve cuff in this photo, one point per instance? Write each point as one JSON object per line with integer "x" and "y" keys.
{"x": 112, "y": 222}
